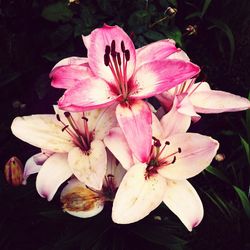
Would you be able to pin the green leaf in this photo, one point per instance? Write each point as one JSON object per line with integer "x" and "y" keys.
{"x": 57, "y": 12}
{"x": 194, "y": 14}
{"x": 173, "y": 2}
{"x": 140, "y": 17}
{"x": 154, "y": 35}
{"x": 218, "y": 173}
{"x": 246, "y": 147}
{"x": 205, "y": 7}
{"x": 244, "y": 200}
{"x": 229, "y": 34}
{"x": 175, "y": 34}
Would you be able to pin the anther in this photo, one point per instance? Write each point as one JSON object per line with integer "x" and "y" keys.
{"x": 107, "y": 49}
{"x": 58, "y": 117}
{"x": 113, "y": 53}
{"x": 85, "y": 118}
{"x": 174, "y": 160}
{"x": 67, "y": 114}
{"x": 179, "y": 150}
{"x": 106, "y": 59}
{"x": 113, "y": 46}
{"x": 119, "y": 59}
{"x": 167, "y": 143}
{"x": 122, "y": 46}
{"x": 63, "y": 129}
{"x": 127, "y": 54}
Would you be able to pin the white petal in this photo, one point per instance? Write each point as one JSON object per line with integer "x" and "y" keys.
{"x": 89, "y": 167}
{"x": 42, "y": 131}
{"x": 137, "y": 195}
{"x": 52, "y": 174}
{"x": 182, "y": 199}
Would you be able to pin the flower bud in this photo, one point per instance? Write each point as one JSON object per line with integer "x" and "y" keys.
{"x": 220, "y": 157}
{"x": 80, "y": 201}
{"x": 191, "y": 30}
{"x": 13, "y": 171}
{"x": 171, "y": 12}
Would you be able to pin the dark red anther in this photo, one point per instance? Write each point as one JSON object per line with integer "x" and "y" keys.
{"x": 122, "y": 46}
{"x": 167, "y": 143}
{"x": 85, "y": 118}
{"x": 119, "y": 59}
{"x": 179, "y": 150}
{"x": 107, "y": 49}
{"x": 106, "y": 59}
{"x": 58, "y": 117}
{"x": 127, "y": 54}
{"x": 65, "y": 127}
{"x": 174, "y": 160}
{"x": 67, "y": 114}
{"x": 113, "y": 46}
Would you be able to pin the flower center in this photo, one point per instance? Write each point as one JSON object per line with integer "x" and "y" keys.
{"x": 81, "y": 137}
{"x": 118, "y": 66}
{"x": 157, "y": 160}
{"x": 109, "y": 187}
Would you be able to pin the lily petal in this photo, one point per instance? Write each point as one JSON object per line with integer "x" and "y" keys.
{"x": 88, "y": 94}
{"x": 158, "y": 76}
{"x": 99, "y": 39}
{"x": 52, "y": 174}
{"x": 116, "y": 142}
{"x": 182, "y": 199}
{"x": 89, "y": 168}
{"x": 31, "y": 167}
{"x": 137, "y": 196}
{"x": 215, "y": 101}
{"x": 135, "y": 120}
{"x": 42, "y": 131}
{"x": 155, "y": 51}
{"x": 197, "y": 152}
{"x": 72, "y": 60}
{"x": 68, "y": 76}
{"x": 80, "y": 201}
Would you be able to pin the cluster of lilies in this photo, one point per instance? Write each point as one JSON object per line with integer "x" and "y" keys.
{"x": 110, "y": 144}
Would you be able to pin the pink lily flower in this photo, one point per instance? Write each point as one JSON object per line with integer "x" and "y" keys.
{"x": 81, "y": 201}
{"x": 190, "y": 98}
{"x": 115, "y": 72}
{"x": 77, "y": 146}
{"x": 172, "y": 160}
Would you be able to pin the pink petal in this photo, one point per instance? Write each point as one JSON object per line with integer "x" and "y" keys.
{"x": 86, "y": 40}
{"x": 72, "y": 60}
{"x": 116, "y": 142}
{"x": 157, "y": 129}
{"x": 52, "y": 174}
{"x": 158, "y": 76}
{"x": 80, "y": 201}
{"x": 215, "y": 101}
{"x": 197, "y": 152}
{"x": 99, "y": 39}
{"x": 175, "y": 122}
{"x": 137, "y": 196}
{"x": 182, "y": 199}
{"x": 31, "y": 167}
{"x": 155, "y": 51}
{"x": 68, "y": 76}
{"x": 89, "y": 94}
{"x": 135, "y": 120}
{"x": 180, "y": 55}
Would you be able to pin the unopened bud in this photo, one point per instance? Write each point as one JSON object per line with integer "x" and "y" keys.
{"x": 220, "y": 157}
{"x": 191, "y": 30}
{"x": 73, "y": 2}
{"x": 13, "y": 171}
{"x": 171, "y": 12}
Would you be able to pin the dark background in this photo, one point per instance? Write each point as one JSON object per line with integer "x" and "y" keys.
{"x": 37, "y": 34}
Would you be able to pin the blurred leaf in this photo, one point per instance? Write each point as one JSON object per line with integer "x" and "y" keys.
{"x": 140, "y": 17}
{"x": 246, "y": 147}
{"x": 229, "y": 34}
{"x": 205, "y": 7}
{"x": 57, "y": 12}
{"x": 157, "y": 234}
{"x": 175, "y": 34}
{"x": 244, "y": 200}
{"x": 218, "y": 173}
{"x": 194, "y": 14}
{"x": 105, "y": 6}
{"x": 9, "y": 78}
{"x": 87, "y": 17}
{"x": 61, "y": 35}
{"x": 154, "y": 35}
{"x": 173, "y": 2}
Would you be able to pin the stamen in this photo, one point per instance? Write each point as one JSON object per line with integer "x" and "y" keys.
{"x": 127, "y": 54}
{"x": 85, "y": 118}
{"x": 167, "y": 143}
{"x": 119, "y": 59}
{"x": 106, "y": 59}
{"x": 179, "y": 150}
{"x": 58, "y": 117}
{"x": 156, "y": 142}
{"x": 65, "y": 127}
{"x": 122, "y": 46}
{"x": 107, "y": 49}
{"x": 113, "y": 46}
{"x": 174, "y": 160}
{"x": 67, "y": 114}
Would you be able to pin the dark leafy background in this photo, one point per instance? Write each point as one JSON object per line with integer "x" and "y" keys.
{"x": 36, "y": 34}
